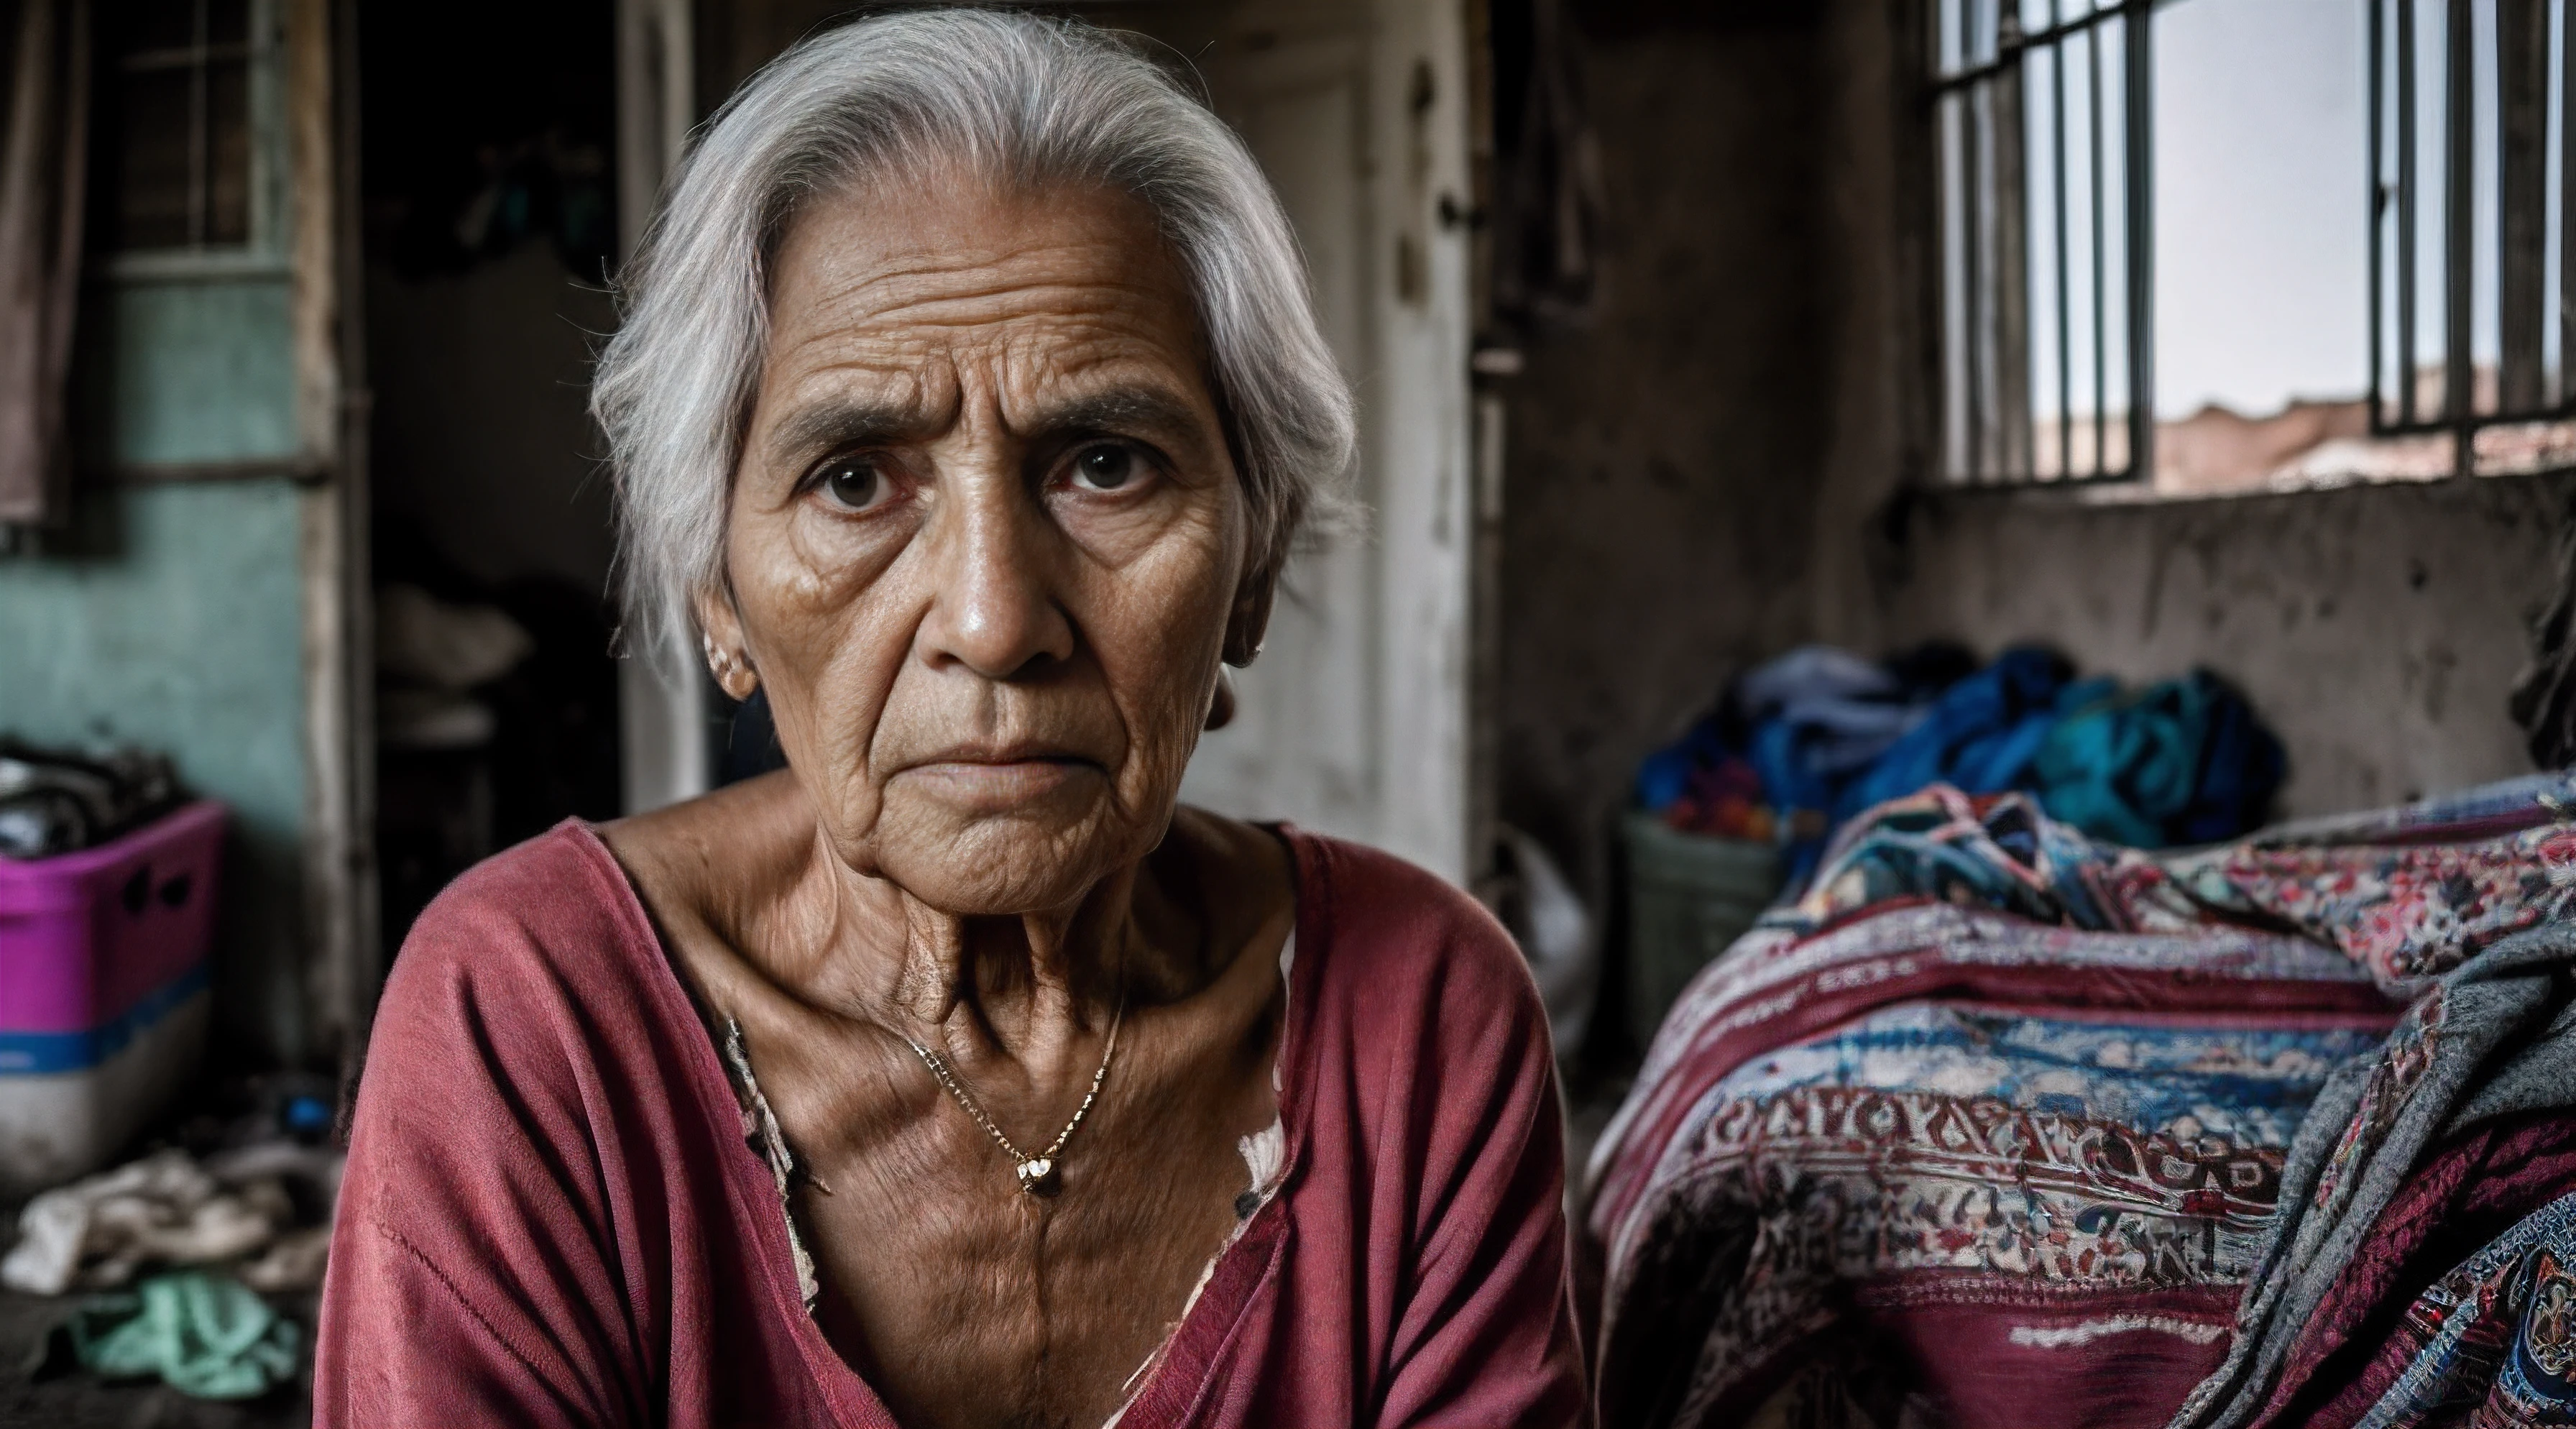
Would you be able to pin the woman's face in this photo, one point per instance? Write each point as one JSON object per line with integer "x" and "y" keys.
{"x": 985, "y": 535}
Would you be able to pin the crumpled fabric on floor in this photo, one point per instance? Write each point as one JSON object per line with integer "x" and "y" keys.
{"x": 203, "y": 1334}
{"x": 97, "y": 1233}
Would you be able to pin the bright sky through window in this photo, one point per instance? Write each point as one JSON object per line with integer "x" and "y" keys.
{"x": 2262, "y": 184}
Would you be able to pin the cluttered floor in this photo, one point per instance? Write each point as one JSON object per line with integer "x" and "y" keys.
{"x": 177, "y": 1289}
{"x": 166, "y": 1226}
{"x": 31, "y": 1396}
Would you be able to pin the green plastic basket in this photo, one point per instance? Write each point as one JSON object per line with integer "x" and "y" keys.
{"x": 1690, "y": 896}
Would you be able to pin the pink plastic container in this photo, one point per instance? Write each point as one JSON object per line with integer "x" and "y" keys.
{"x": 86, "y": 937}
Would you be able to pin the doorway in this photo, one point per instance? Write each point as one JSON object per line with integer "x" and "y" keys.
{"x": 489, "y": 217}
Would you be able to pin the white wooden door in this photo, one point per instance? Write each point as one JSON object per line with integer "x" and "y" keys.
{"x": 1355, "y": 721}
{"x": 664, "y": 712}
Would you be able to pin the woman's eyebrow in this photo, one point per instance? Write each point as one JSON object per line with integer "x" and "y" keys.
{"x": 828, "y": 426}
{"x": 835, "y": 425}
{"x": 1118, "y": 410}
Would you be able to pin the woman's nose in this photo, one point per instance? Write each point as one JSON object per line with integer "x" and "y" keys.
{"x": 993, "y": 608}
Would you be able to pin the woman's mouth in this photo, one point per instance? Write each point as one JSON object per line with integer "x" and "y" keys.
{"x": 991, "y": 782}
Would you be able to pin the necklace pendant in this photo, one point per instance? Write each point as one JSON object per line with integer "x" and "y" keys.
{"x": 1038, "y": 1176}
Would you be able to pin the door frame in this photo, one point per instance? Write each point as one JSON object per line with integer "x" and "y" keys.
{"x": 664, "y": 709}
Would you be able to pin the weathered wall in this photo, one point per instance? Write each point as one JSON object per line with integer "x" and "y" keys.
{"x": 187, "y": 369}
{"x": 2377, "y": 628}
{"x": 170, "y": 614}
{"x": 1661, "y": 461}
{"x": 171, "y": 618}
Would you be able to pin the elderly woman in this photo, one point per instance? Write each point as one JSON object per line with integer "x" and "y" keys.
{"x": 968, "y": 402}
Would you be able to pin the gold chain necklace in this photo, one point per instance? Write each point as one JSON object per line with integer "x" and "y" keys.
{"x": 1039, "y": 1175}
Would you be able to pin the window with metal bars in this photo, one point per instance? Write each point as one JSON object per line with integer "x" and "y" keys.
{"x": 2041, "y": 124}
{"x": 2204, "y": 246}
{"x": 2473, "y": 260}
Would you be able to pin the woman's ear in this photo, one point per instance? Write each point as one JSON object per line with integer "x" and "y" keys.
{"x": 728, "y": 659}
{"x": 1248, "y": 623}
{"x": 1221, "y": 704}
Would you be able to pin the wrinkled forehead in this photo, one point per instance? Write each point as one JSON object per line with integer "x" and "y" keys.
{"x": 949, "y": 248}
{"x": 916, "y": 300}
{"x": 910, "y": 286}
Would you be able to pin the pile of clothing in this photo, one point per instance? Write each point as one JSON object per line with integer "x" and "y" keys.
{"x": 203, "y": 1334}
{"x": 431, "y": 655}
{"x": 1999, "y": 1123}
{"x": 1805, "y": 742}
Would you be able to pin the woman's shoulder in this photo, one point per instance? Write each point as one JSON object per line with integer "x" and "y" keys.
{"x": 1367, "y": 892}
{"x": 1422, "y": 1054}
{"x": 556, "y": 906}
{"x": 535, "y": 968}
{"x": 1390, "y": 934}
{"x": 531, "y": 1003}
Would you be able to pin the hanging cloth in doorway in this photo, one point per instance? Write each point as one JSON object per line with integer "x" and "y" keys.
{"x": 42, "y": 162}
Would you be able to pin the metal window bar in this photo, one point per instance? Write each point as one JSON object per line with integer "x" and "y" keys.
{"x": 2009, "y": 332}
{"x": 2524, "y": 82}
{"x": 196, "y": 59}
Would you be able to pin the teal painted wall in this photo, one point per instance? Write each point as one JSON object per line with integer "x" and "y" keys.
{"x": 170, "y": 616}
{"x": 200, "y": 370}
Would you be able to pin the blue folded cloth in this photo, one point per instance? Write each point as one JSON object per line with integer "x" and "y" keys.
{"x": 1831, "y": 735}
{"x": 2184, "y": 761}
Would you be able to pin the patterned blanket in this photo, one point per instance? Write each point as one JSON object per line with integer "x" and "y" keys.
{"x": 1991, "y": 1126}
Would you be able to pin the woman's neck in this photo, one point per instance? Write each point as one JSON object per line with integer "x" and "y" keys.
{"x": 748, "y": 871}
{"x": 1009, "y": 983}
{"x": 1025, "y": 986}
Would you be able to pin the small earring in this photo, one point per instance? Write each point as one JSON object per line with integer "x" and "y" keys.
{"x": 734, "y": 673}
{"x": 1221, "y": 705}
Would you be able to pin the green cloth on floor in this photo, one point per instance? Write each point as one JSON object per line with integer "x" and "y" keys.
{"x": 204, "y": 1334}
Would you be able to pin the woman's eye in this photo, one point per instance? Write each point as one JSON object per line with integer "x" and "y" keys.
{"x": 853, "y": 484}
{"x": 1105, "y": 468}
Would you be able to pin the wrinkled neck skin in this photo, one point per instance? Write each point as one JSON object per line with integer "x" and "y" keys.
{"x": 1026, "y": 987}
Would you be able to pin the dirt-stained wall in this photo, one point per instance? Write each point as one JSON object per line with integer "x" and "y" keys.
{"x": 1661, "y": 461}
{"x": 2377, "y": 628}
{"x": 1709, "y": 472}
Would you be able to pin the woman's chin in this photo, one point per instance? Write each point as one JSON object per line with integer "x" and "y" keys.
{"x": 967, "y": 851}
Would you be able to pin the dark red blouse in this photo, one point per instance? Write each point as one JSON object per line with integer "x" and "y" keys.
{"x": 551, "y": 1216}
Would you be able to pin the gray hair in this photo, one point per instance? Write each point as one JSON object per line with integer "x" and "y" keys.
{"x": 1035, "y": 102}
